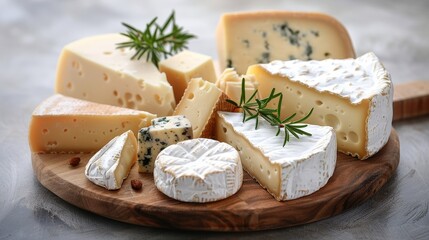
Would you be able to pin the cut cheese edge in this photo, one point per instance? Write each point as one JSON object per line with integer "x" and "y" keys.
{"x": 231, "y": 84}
{"x": 112, "y": 164}
{"x": 184, "y": 66}
{"x": 199, "y": 104}
{"x": 298, "y": 169}
{"x": 65, "y": 124}
{"x": 354, "y": 96}
{"x": 94, "y": 69}
{"x": 198, "y": 170}
{"x": 246, "y": 38}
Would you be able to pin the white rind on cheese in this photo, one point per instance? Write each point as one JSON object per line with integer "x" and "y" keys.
{"x": 198, "y": 170}
{"x": 352, "y": 95}
{"x": 112, "y": 164}
{"x": 298, "y": 169}
{"x": 65, "y": 124}
{"x": 94, "y": 69}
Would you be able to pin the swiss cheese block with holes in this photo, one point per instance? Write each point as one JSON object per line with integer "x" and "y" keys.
{"x": 199, "y": 104}
{"x": 198, "y": 170}
{"x": 246, "y": 38}
{"x": 297, "y": 169}
{"x": 64, "y": 124}
{"x": 184, "y": 66}
{"x": 354, "y": 96}
{"x": 94, "y": 69}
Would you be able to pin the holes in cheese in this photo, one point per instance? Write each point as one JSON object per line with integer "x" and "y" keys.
{"x": 86, "y": 72}
{"x": 200, "y": 101}
{"x": 64, "y": 124}
{"x": 355, "y": 99}
{"x": 248, "y": 38}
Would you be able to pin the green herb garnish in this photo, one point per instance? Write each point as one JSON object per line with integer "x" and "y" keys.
{"x": 156, "y": 41}
{"x": 254, "y": 108}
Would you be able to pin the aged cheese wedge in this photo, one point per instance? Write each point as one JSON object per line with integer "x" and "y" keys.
{"x": 247, "y": 38}
{"x": 94, "y": 69}
{"x": 164, "y": 132}
{"x": 231, "y": 84}
{"x": 112, "y": 164}
{"x": 198, "y": 170}
{"x": 354, "y": 96}
{"x": 199, "y": 104}
{"x": 65, "y": 124}
{"x": 184, "y": 66}
{"x": 298, "y": 169}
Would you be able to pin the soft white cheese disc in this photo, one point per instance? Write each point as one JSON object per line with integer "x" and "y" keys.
{"x": 198, "y": 170}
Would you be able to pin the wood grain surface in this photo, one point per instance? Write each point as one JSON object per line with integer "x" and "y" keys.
{"x": 252, "y": 208}
{"x": 411, "y": 100}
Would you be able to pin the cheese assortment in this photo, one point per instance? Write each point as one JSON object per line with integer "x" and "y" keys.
{"x": 94, "y": 69}
{"x": 198, "y": 170}
{"x": 231, "y": 83}
{"x": 297, "y": 169}
{"x": 248, "y": 38}
{"x": 199, "y": 104}
{"x": 184, "y": 66}
{"x": 65, "y": 124}
{"x": 164, "y": 132}
{"x": 107, "y": 93}
{"x": 112, "y": 164}
{"x": 354, "y": 96}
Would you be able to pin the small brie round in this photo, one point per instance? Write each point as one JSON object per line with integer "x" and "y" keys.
{"x": 198, "y": 170}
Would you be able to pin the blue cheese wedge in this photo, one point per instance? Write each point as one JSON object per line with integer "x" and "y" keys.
{"x": 112, "y": 164}
{"x": 198, "y": 170}
{"x": 246, "y": 38}
{"x": 298, "y": 169}
{"x": 163, "y": 132}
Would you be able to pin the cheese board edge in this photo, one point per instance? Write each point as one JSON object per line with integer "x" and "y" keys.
{"x": 251, "y": 209}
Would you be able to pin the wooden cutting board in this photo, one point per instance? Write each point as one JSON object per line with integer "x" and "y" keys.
{"x": 252, "y": 208}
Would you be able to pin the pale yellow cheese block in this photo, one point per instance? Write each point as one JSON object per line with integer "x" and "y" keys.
{"x": 93, "y": 69}
{"x": 199, "y": 104}
{"x": 182, "y": 67}
{"x": 246, "y": 38}
{"x": 231, "y": 84}
{"x": 65, "y": 124}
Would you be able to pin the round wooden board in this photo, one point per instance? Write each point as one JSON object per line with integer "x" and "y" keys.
{"x": 252, "y": 208}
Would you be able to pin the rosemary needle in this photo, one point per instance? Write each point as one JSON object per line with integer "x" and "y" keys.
{"x": 254, "y": 108}
{"x": 156, "y": 41}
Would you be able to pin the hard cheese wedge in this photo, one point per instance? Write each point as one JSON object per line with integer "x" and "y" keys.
{"x": 112, "y": 164}
{"x": 94, "y": 69}
{"x": 199, "y": 104}
{"x": 198, "y": 170}
{"x": 298, "y": 169}
{"x": 354, "y": 96}
{"x": 164, "y": 132}
{"x": 183, "y": 67}
{"x": 248, "y": 38}
{"x": 65, "y": 124}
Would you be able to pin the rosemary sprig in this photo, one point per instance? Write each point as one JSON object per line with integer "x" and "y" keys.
{"x": 156, "y": 41}
{"x": 254, "y": 108}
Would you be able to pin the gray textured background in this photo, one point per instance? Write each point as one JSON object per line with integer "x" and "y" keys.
{"x": 32, "y": 34}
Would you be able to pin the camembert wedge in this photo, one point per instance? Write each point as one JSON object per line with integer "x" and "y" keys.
{"x": 298, "y": 169}
{"x": 112, "y": 164}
